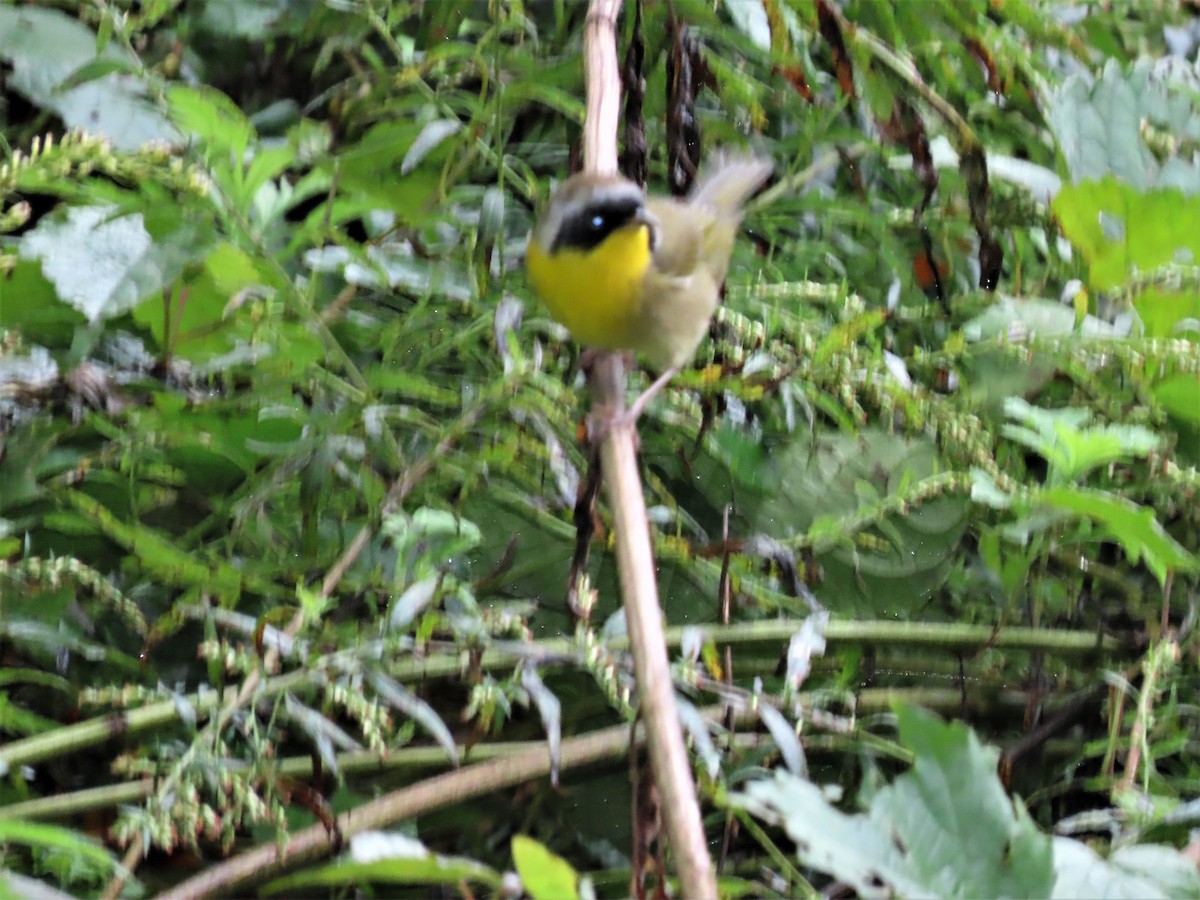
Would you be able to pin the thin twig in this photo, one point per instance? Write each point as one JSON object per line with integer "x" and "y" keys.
{"x": 631, "y": 530}
{"x": 462, "y": 784}
{"x": 603, "y": 78}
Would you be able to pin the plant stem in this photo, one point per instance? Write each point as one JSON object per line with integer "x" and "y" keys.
{"x": 635, "y": 557}
{"x": 950, "y": 636}
{"x": 408, "y": 803}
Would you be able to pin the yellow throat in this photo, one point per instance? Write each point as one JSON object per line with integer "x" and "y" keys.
{"x": 595, "y": 293}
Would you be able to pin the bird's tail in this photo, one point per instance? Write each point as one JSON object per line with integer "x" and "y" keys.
{"x": 727, "y": 182}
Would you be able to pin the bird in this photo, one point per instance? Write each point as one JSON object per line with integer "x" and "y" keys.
{"x": 624, "y": 271}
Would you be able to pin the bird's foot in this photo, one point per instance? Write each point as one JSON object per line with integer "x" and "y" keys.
{"x": 601, "y": 422}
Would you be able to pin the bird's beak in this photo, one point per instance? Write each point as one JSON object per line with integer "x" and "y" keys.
{"x": 644, "y": 217}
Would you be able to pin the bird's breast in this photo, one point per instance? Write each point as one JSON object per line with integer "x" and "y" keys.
{"x": 596, "y": 293}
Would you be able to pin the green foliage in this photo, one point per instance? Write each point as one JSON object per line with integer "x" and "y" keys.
{"x": 544, "y": 875}
{"x": 1071, "y": 452}
{"x": 69, "y": 856}
{"x": 1144, "y": 870}
{"x": 1113, "y": 127}
{"x": 947, "y": 828}
{"x": 944, "y": 829}
{"x": 396, "y": 861}
{"x": 288, "y": 454}
{"x": 57, "y": 66}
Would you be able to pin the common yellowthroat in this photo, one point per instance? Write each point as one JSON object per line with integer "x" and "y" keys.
{"x": 623, "y": 271}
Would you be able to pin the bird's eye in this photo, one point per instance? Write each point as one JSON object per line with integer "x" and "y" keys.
{"x": 597, "y": 222}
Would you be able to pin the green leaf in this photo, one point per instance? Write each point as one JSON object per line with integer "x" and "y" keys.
{"x": 194, "y": 324}
{"x": 371, "y": 167}
{"x": 102, "y": 266}
{"x": 431, "y": 135}
{"x": 1099, "y": 124}
{"x": 1121, "y": 230}
{"x": 946, "y": 828}
{"x": 161, "y": 557}
{"x": 1134, "y": 526}
{"x": 545, "y": 875}
{"x": 1071, "y": 449}
{"x": 549, "y": 708}
{"x": 52, "y": 640}
{"x": 63, "y": 840}
{"x": 429, "y": 869}
{"x": 1165, "y": 314}
{"x": 1037, "y": 316}
{"x": 248, "y": 20}
{"x": 1143, "y": 870}
{"x": 403, "y": 270}
{"x": 749, "y": 17}
{"x": 29, "y": 302}
{"x": 565, "y": 103}
{"x": 431, "y": 534}
{"x": 1178, "y": 394}
{"x": 45, "y": 47}
{"x": 18, "y": 720}
{"x": 268, "y": 163}
{"x": 985, "y": 491}
{"x": 35, "y": 676}
{"x": 210, "y": 116}
{"x": 91, "y": 71}
{"x": 831, "y": 489}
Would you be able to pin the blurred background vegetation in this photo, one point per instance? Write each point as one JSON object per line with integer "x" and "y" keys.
{"x": 289, "y": 465}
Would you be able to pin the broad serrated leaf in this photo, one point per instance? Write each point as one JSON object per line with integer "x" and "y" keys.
{"x": 1070, "y": 446}
{"x": 821, "y": 488}
{"x": 1122, "y": 230}
{"x": 1168, "y": 313}
{"x": 1148, "y": 871}
{"x": 1136, "y": 527}
{"x": 101, "y": 266}
{"x": 1099, "y": 122}
{"x": 210, "y": 116}
{"x": 944, "y": 829}
{"x": 1178, "y": 394}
